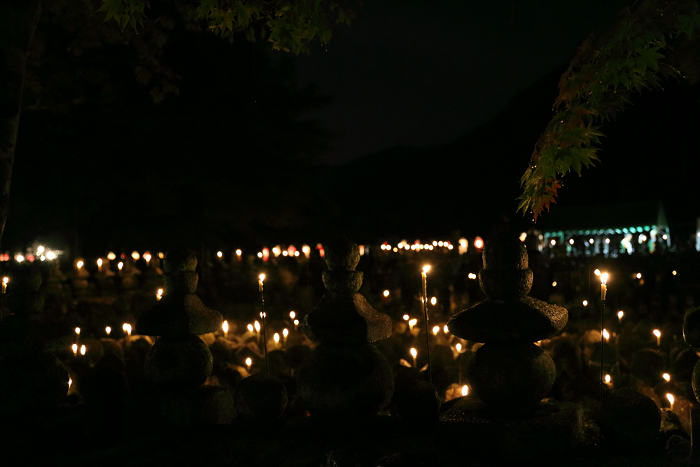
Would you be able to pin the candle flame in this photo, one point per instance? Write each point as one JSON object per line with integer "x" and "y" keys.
{"x": 108, "y": 330}
{"x": 257, "y": 326}
{"x": 70, "y": 382}
{"x": 414, "y": 352}
{"x": 250, "y": 328}
{"x": 239, "y": 252}
{"x": 5, "y": 280}
{"x": 74, "y": 348}
{"x": 120, "y": 265}
{"x": 276, "y": 338}
{"x": 219, "y": 254}
{"x": 604, "y": 278}
{"x": 99, "y": 262}
{"x": 433, "y": 301}
{"x": 465, "y": 390}
{"x": 406, "y": 317}
{"x": 426, "y": 269}
{"x": 458, "y": 346}
{"x": 79, "y": 264}
{"x": 656, "y": 332}
{"x": 597, "y": 272}
{"x": 249, "y": 361}
{"x": 607, "y": 378}
{"x": 292, "y": 314}
{"x": 159, "y": 294}
{"x": 83, "y": 349}
{"x": 413, "y": 322}
{"x": 436, "y": 329}
{"x": 296, "y": 322}
{"x": 261, "y": 277}
{"x": 585, "y": 303}
{"x": 606, "y": 334}
{"x": 670, "y": 398}
{"x": 667, "y": 377}
{"x": 224, "y": 326}
{"x": 110, "y": 256}
{"x": 77, "y": 331}
{"x": 135, "y": 255}
{"x": 285, "y": 332}
{"x": 620, "y": 314}
{"x": 147, "y": 256}
{"x": 386, "y": 293}
{"x": 445, "y": 329}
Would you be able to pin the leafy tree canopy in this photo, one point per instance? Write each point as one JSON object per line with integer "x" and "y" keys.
{"x": 599, "y": 82}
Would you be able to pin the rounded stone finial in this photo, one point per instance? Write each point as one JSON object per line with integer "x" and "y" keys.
{"x": 342, "y": 255}
{"x": 505, "y": 251}
{"x": 179, "y": 260}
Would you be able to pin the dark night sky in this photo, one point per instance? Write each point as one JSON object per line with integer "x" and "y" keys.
{"x": 417, "y": 72}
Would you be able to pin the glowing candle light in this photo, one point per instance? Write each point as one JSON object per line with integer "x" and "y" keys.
{"x": 436, "y": 329}
{"x": 261, "y": 279}
{"x": 238, "y": 255}
{"x": 406, "y": 317}
{"x": 606, "y": 335}
{"x": 433, "y": 301}
{"x": 445, "y": 329}
{"x": 585, "y": 303}
{"x": 5, "y": 280}
{"x": 412, "y": 323}
{"x": 251, "y": 328}
{"x": 79, "y": 264}
{"x": 465, "y": 390}
{"x": 620, "y": 314}
{"x": 458, "y": 347}
{"x": 603, "y": 285}
{"x": 224, "y": 326}
{"x": 666, "y": 377}
{"x": 478, "y": 243}
{"x": 120, "y": 265}
{"x": 74, "y": 347}
{"x": 126, "y": 327}
{"x": 603, "y": 332}
{"x": 77, "y": 334}
{"x": 50, "y": 255}
{"x": 386, "y": 293}
{"x": 147, "y": 256}
{"x": 424, "y": 276}
{"x": 70, "y": 383}
{"x": 108, "y": 330}
{"x": 276, "y": 338}
{"x": 285, "y": 333}
{"x": 99, "y": 264}
{"x": 296, "y": 323}
{"x": 414, "y": 354}
{"x": 135, "y": 255}
{"x": 83, "y": 349}
{"x": 292, "y": 314}
{"x": 159, "y": 294}
{"x": 597, "y": 272}
{"x": 248, "y": 362}
{"x": 657, "y": 333}
{"x": 219, "y": 254}
{"x": 607, "y": 379}
{"x": 671, "y": 399}
{"x": 110, "y": 256}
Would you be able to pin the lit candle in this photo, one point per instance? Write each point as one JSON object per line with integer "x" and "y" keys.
{"x": 147, "y": 256}
{"x": 70, "y": 383}
{"x": 79, "y": 264}
{"x": 238, "y": 255}
{"x": 406, "y": 317}
{"x": 620, "y": 314}
{"x": 159, "y": 294}
{"x": 276, "y": 338}
{"x": 126, "y": 327}
{"x": 77, "y": 334}
{"x": 465, "y": 390}
{"x": 386, "y": 293}
{"x": 224, "y": 326}
{"x": 671, "y": 399}
{"x": 108, "y": 330}
{"x": 292, "y": 315}
{"x": 603, "y": 285}
{"x": 445, "y": 329}
{"x": 251, "y": 328}
{"x": 248, "y": 362}
{"x": 261, "y": 278}
{"x": 83, "y": 349}
{"x": 296, "y": 323}
{"x": 99, "y": 264}
{"x": 666, "y": 377}
{"x": 606, "y": 335}
{"x": 285, "y": 333}
{"x": 608, "y": 379}
{"x": 412, "y": 323}
{"x": 414, "y": 354}
{"x": 120, "y": 265}
{"x": 219, "y": 254}
{"x": 657, "y": 333}
{"x": 436, "y": 329}
{"x": 5, "y": 280}
{"x": 256, "y": 325}
{"x": 74, "y": 347}
{"x": 433, "y": 301}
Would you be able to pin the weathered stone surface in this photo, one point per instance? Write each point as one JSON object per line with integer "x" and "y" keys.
{"x": 342, "y": 282}
{"x": 516, "y": 321}
{"x": 691, "y": 327}
{"x": 179, "y": 314}
{"x": 260, "y": 397}
{"x": 552, "y": 431}
{"x": 504, "y": 251}
{"x": 179, "y": 260}
{"x": 341, "y": 320}
{"x": 505, "y": 284}
{"x": 184, "y": 282}
{"x": 342, "y": 255}
{"x": 180, "y": 362}
{"x": 345, "y": 382}
{"x": 511, "y": 379}
{"x": 629, "y": 418}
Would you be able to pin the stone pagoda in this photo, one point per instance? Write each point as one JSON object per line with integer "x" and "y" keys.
{"x": 180, "y": 362}
{"x": 510, "y": 374}
{"x": 345, "y": 376}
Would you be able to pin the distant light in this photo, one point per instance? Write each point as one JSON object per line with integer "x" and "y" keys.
{"x": 465, "y": 390}
{"x": 386, "y": 293}
{"x": 296, "y": 322}
{"x": 656, "y": 332}
{"x": 77, "y": 331}
{"x": 585, "y": 303}
{"x": 99, "y": 262}
{"x": 74, "y": 348}
{"x": 406, "y": 317}
{"x": 50, "y": 255}
{"x": 412, "y": 322}
{"x": 665, "y": 237}
{"x": 147, "y": 256}
{"x": 523, "y": 236}
{"x": 554, "y": 284}
{"x": 219, "y": 254}
{"x": 433, "y": 301}
{"x": 426, "y": 269}
{"x": 591, "y": 241}
{"x": 80, "y": 264}
{"x": 159, "y": 294}
{"x": 224, "y": 326}
{"x": 248, "y": 362}
{"x": 260, "y": 255}
{"x": 607, "y": 240}
{"x": 120, "y": 265}
{"x": 478, "y": 243}
{"x": 261, "y": 277}
{"x": 296, "y": 253}
{"x": 285, "y": 253}
{"x": 458, "y": 347}
{"x": 620, "y": 314}
{"x": 257, "y": 326}
{"x": 606, "y": 334}
{"x": 108, "y": 330}
{"x": 19, "y": 258}
{"x": 83, "y": 349}
{"x": 395, "y": 249}
{"x": 239, "y": 252}
{"x": 39, "y": 250}
{"x": 440, "y": 243}
{"x": 161, "y": 255}
{"x": 597, "y": 272}
{"x": 571, "y": 241}
{"x": 471, "y": 275}
{"x": 639, "y": 275}
{"x": 276, "y": 338}
{"x": 449, "y": 247}
{"x": 285, "y": 332}
{"x": 251, "y": 328}
{"x": 553, "y": 242}
{"x": 414, "y": 352}
{"x": 292, "y": 314}
{"x": 135, "y": 255}
{"x": 436, "y": 329}
{"x": 604, "y": 278}
{"x": 435, "y": 243}
{"x": 667, "y": 377}
{"x": 673, "y": 272}
{"x": 607, "y": 379}
{"x": 445, "y": 329}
